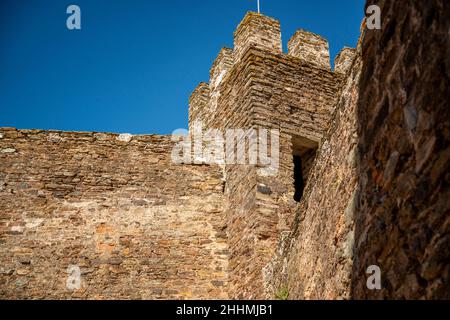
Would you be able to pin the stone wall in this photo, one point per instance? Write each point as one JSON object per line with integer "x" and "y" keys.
{"x": 314, "y": 258}
{"x": 138, "y": 226}
{"x": 378, "y": 190}
{"x": 199, "y": 105}
{"x": 310, "y": 47}
{"x": 294, "y": 93}
{"x": 257, "y": 30}
{"x": 301, "y": 111}
{"x": 403, "y": 221}
{"x": 373, "y": 138}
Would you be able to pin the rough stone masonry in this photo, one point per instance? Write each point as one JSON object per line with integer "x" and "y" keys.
{"x": 363, "y": 180}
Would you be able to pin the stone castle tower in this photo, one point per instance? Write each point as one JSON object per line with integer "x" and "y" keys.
{"x": 256, "y": 85}
{"x": 106, "y": 216}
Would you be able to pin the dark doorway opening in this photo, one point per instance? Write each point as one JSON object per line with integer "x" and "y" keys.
{"x": 304, "y": 153}
{"x": 298, "y": 178}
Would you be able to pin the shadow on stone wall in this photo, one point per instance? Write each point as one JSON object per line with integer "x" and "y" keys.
{"x": 402, "y": 219}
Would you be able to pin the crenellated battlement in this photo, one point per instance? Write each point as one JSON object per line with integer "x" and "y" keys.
{"x": 221, "y": 66}
{"x": 198, "y": 103}
{"x": 344, "y": 60}
{"x": 309, "y": 50}
{"x": 310, "y": 47}
{"x": 257, "y": 30}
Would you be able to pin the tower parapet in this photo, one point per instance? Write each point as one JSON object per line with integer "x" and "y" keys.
{"x": 310, "y": 47}
{"x": 257, "y": 30}
{"x": 344, "y": 59}
{"x": 219, "y": 69}
{"x": 198, "y": 103}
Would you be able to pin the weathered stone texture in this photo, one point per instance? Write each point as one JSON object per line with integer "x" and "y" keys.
{"x": 279, "y": 101}
{"x": 271, "y": 90}
{"x": 257, "y": 30}
{"x": 344, "y": 60}
{"x": 137, "y": 225}
{"x": 378, "y": 191}
{"x": 310, "y": 47}
{"x": 222, "y": 64}
{"x": 314, "y": 260}
{"x": 199, "y": 105}
{"x": 403, "y": 222}
{"x": 371, "y": 140}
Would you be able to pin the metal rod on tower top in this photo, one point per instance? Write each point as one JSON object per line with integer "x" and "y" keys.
{"x": 259, "y": 8}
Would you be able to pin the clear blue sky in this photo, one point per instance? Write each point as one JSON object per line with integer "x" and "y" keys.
{"x": 134, "y": 64}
